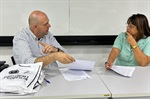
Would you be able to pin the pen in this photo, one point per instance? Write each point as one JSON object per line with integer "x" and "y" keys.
{"x": 47, "y": 80}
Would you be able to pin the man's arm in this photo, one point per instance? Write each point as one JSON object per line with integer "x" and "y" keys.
{"x": 60, "y": 56}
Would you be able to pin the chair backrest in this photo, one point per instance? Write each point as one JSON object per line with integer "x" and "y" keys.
{"x": 13, "y": 60}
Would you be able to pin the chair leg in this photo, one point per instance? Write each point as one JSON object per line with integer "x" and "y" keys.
{"x": 13, "y": 60}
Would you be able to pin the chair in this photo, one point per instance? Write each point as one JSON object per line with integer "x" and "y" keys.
{"x": 13, "y": 60}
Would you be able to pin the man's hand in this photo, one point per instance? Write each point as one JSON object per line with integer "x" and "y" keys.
{"x": 48, "y": 48}
{"x": 64, "y": 58}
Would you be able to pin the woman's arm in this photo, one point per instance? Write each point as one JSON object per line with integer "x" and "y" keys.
{"x": 140, "y": 57}
{"x": 112, "y": 56}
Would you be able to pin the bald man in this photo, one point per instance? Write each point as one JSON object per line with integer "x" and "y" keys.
{"x": 36, "y": 44}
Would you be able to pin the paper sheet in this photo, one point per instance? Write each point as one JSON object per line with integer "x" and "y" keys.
{"x": 72, "y": 75}
{"x": 82, "y": 65}
{"x": 123, "y": 70}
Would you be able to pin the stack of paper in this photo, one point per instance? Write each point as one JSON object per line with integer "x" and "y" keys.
{"x": 73, "y": 75}
{"x": 82, "y": 65}
{"x": 76, "y": 70}
{"x": 123, "y": 70}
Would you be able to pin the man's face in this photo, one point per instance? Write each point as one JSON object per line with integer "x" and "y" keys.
{"x": 44, "y": 26}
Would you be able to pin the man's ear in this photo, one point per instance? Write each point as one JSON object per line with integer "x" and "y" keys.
{"x": 35, "y": 26}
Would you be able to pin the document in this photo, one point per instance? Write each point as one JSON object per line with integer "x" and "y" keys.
{"x": 73, "y": 75}
{"x": 82, "y": 65}
{"x": 123, "y": 70}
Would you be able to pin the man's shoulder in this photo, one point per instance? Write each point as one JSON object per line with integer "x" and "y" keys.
{"x": 22, "y": 33}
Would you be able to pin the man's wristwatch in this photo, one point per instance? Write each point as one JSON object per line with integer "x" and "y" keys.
{"x": 106, "y": 63}
{"x": 58, "y": 49}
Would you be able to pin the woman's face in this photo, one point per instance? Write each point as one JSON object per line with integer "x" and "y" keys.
{"x": 132, "y": 29}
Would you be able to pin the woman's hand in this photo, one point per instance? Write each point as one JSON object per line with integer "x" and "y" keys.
{"x": 131, "y": 40}
{"x": 108, "y": 65}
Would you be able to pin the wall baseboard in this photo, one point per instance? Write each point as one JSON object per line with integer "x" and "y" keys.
{"x": 71, "y": 40}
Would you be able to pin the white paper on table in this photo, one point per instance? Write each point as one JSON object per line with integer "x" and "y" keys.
{"x": 72, "y": 75}
{"x": 82, "y": 65}
{"x": 123, "y": 70}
